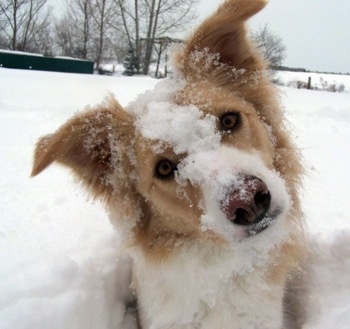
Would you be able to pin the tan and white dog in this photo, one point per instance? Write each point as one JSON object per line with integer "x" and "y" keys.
{"x": 201, "y": 178}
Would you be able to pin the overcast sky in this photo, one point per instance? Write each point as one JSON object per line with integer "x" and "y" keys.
{"x": 315, "y": 32}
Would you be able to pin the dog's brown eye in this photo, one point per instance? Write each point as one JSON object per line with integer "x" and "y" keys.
{"x": 229, "y": 121}
{"x": 165, "y": 169}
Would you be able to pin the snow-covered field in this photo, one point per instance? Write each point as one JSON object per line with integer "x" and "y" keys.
{"x": 57, "y": 248}
{"x": 319, "y": 81}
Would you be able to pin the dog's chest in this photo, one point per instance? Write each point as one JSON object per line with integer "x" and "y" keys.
{"x": 199, "y": 290}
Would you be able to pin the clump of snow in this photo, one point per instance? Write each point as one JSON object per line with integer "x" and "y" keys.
{"x": 219, "y": 171}
{"x": 164, "y": 91}
{"x": 223, "y": 168}
{"x": 185, "y": 128}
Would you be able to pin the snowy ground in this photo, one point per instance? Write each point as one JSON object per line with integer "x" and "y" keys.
{"x": 319, "y": 81}
{"x": 57, "y": 248}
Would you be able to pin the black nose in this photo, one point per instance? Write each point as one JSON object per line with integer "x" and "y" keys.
{"x": 249, "y": 203}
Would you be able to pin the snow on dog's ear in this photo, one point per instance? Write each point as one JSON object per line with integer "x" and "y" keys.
{"x": 223, "y": 35}
{"x": 93, "y": 144}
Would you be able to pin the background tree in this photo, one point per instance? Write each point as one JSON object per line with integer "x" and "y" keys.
{"x": 103, "y": 13}
{"x": 73, "y": 32}
{"x": 85, "y": 29}
{"x": 270, "y": 46}
{"x": 130, "y": 63}
{"x": 127, "y": 26}
{"x": 166, "y": 16}
{"x": 143, "y": 21}
{"x": 24, "y": 25}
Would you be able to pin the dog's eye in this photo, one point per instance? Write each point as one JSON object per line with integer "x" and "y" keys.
{"x": 229, "y": 121}
{"x": 165, "y": 169}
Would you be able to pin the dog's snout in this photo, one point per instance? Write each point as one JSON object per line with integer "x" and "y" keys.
{"x": 248, "y": 203}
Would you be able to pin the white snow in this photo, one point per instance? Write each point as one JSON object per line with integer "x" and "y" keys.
{"x": 179, "y": 126}
{"x": 217, "y": 177}
{"x": 319, "y": 81}
{"x": 57, "y": 248}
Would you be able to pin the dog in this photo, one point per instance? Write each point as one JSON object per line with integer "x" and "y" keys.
{"x": 202, "y": 179}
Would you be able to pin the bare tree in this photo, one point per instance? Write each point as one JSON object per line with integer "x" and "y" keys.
{"x": 84, "y": 30}
{"x": 143, "y": 21}
{"x": 73, "y": 32}
{"x": 103, "y": 13}
{"x": 270, "y": 45}
{"x": 166, "y": 16}
{"x": 127, "y": 27}
{"x": 41, "y": 39}
{"x": 24, "y": 25}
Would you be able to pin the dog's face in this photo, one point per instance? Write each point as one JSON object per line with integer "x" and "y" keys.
{"x": 205, "y": 165}
{"x": 203, "y": 156}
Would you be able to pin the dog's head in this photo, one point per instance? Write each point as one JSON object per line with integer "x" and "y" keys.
{"x": 204, "y": 156}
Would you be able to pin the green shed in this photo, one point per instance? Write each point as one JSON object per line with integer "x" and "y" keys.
{"x": 27, "y": 61}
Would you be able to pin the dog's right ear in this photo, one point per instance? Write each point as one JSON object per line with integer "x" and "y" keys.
{"x": 93, "y": 144}
{"x": 223, "y": 35}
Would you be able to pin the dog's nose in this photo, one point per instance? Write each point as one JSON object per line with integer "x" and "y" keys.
{"x": 249, "y": 203}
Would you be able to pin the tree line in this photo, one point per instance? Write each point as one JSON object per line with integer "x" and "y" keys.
{"x": 94, "y": 30}
{"x": 102, "y": 30}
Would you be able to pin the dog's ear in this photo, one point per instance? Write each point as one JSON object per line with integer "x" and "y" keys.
{"x": 93, "y": 144}
{"x": 224, "y": 34}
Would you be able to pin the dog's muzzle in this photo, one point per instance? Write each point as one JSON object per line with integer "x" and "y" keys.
{"x": 248, "y": 204}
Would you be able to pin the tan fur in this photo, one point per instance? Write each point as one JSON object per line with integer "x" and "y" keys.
{"x": 84, "y": 144}
{"x": 224, "y": 73}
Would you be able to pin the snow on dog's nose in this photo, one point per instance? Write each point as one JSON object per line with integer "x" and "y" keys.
{"x": 248, "y": 203}
{"x": 242, "y": 197}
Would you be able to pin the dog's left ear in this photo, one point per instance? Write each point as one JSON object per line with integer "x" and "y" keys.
{"x": 224, "y": 33}
{"x": 93, "y": 144}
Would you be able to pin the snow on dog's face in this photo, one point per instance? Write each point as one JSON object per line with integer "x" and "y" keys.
{"x": 205, "y": 156}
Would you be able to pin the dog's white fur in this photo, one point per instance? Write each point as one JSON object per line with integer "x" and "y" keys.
{"x": 191, "y": 267}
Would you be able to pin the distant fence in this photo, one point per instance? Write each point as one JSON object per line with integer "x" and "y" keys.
{"x": 25, "y": 61}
